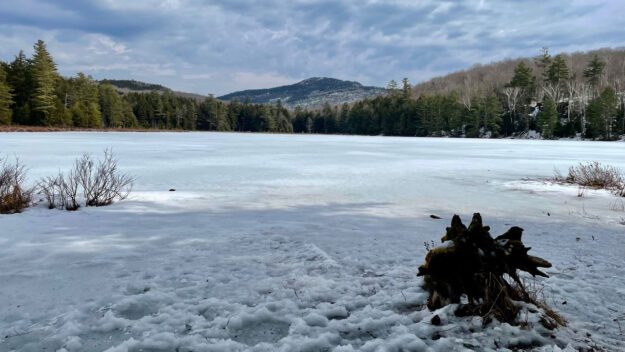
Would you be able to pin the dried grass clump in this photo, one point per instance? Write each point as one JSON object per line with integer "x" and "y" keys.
{"x": 14, "y": 196}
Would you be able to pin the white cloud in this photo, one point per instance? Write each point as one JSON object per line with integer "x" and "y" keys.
{"x": 226, "y": 45}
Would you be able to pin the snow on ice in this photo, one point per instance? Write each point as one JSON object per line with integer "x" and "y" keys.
{"x": 299, "y": 243}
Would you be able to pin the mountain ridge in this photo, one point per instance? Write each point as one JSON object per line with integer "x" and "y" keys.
{"x": 134, "y": 86}
{"x": 309, "y": 93}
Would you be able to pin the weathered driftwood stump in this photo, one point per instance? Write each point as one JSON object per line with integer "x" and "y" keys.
{"x": 484, "y": 269}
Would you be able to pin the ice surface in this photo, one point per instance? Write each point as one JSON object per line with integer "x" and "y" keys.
{"x": 298, "y": 243}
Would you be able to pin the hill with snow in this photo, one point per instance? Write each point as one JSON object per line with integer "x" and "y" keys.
{"x": 312, "y": 92}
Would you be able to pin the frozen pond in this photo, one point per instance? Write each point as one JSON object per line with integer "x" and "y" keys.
{"x": 457, "y": 175}
{"x": 278, "y": 242}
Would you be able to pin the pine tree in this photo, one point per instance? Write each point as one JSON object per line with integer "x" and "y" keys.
{"x": 594, "y": 71}
{"x": 6, "y": 99}
{"x": 543, "y": 62}
{"x": 327, "y": 115}
{"x": 392, "y": 87}
{"x": 83, "y": 91}
{"x": 558, "y": 71}
{"x": 405, "y": 88}
{"x": 548, "y": 118}
{"x": 524, "y": 80}
{"x": 18, "y": 78}
{"x": 492, "y": 115}
{"x": 44, "y": 76}
{"x": 602, "y": 113}
{"x": 111, "y": 107}
{"x": 129, "y": 119}
{"x": 523, "y": 76}
{"x": 343, "y": 117}
{"x": 267, "y": 115}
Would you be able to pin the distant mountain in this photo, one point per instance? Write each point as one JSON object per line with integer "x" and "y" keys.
{"x": 130, "y": 85}
{"x": 310, "y": 93}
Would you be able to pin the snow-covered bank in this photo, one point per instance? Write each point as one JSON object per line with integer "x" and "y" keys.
{"x": 290, "y": 243}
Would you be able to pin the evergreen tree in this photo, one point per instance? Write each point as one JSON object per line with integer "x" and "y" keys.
{"x": 343, "y": 118}
{"x": 558, "y": 71}
{"x": 524, "y": 80}
{"x": 267, "y": 116}
{"x": 309, "y": 123}
{"x": 543, "y": 62}
{"x": 548, "y": 118}
{"x": 602, "y": 113}
{"x": 328, "y": 119}
{"x": 491, "y": 112}
{"x": 405, "y": 88}
{"x": 523, "y": 76}
{"x": 44, "y": 76}
{"x": 129, "y": 120}
{"x": 83, "y": 98}
{"x": 213, "y": 116}
{"x": 18, "y": 78}
{"x": 6, "y": 99}
{"x": 111, "y": 107}
{"x": 473, "y": 119}
{"x": 392, "y": 87}
{"x": 594, "y": 71}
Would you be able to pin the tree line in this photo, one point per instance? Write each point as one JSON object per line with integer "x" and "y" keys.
{"x": 566, "y": 95}
{"x": 552, "y": 95}
{"x": 32, "y": 92}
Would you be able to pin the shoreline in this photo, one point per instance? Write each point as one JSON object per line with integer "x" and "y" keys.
{"x": 25, "y": 128}
{"x": 38, "y": 129}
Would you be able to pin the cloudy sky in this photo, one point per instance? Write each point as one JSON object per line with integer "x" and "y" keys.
{"x": 219, "y": 46}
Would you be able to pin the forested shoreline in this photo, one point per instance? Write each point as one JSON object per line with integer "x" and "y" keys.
{"x": 548, "y": 95}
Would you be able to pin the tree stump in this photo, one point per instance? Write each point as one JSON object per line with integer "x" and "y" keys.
{"x": 484, "y": 269}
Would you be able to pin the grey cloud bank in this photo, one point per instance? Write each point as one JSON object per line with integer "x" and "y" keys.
{"x": 221, "y": 46}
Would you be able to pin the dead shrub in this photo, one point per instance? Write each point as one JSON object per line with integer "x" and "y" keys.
{"x": 620, "y": 191}
{"x": 596, "y": 175}
{"x": 70, "y": 186}
{"x": 101, "y": 182}
{"x": 61, "y": 192}
{"x": 14, "y": 196}
{"x": 49, "y": 188}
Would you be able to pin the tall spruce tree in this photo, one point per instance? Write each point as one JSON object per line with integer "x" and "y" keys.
{"x": 548, "y": 118}
{"x": 405, "y": 88}
{"x": 6, "y": 99}
{"x": 594, "y": 71}
{"x": 492, "y": 115}
{"x": 18, "y": 78}
{"x": 82, "y": 98}
{"x": 543, "y": 62}
{"x": 111, "y": 107}
{"x": 602, "y": 113}
{"x": 558, "y": 71}
{"x": 525, "y": 80}
{"x": 523, "y": 76}
{"x": 44, "y": 76}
